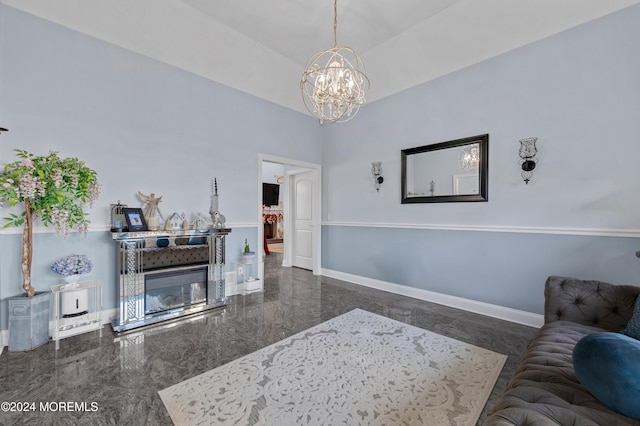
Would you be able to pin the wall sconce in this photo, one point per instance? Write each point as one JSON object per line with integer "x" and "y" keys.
{"x": 376, "y": 171}
{"x": 528, "y": 158}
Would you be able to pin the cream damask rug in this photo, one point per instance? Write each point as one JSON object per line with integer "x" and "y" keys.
{"x": 356, "y": 369}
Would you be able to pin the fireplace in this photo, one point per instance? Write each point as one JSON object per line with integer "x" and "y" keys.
{"x": 271, "y": 230}
{"x": 164, "y": 275}
{"x": 167, "y": 290}
{"x": 272, "y": 222}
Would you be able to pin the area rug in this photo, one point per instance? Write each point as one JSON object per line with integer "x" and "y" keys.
{"x": 356, "y": 369}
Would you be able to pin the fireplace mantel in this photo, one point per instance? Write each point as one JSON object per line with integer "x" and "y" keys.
{"x": 145, "y": 255}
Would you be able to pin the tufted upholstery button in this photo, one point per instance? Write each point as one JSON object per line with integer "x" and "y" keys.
{"x": 614, "y": 310}
{"x": 578, "y": 301}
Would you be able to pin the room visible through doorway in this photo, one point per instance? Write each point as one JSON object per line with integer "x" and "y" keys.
{"x": 289, "y": 197}
{"x": 273, "y": 199}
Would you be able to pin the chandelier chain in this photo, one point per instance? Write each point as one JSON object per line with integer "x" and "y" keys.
{"x": 335, "y": 23}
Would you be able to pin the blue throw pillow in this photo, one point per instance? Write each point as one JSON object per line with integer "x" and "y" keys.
{"x": 608, "y": 365}
{"x": 633, "y": 326}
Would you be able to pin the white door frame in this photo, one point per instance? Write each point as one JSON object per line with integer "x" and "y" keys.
{"x": 317, "y": 208}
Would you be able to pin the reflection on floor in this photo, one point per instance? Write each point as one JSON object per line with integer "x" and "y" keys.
{"x": 115, "y": 379}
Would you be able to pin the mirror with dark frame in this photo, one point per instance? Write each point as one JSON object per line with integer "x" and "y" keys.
{"x": 452, "y": 171}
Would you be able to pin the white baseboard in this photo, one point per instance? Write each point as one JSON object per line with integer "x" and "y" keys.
{"x": 495, "y": 311}
{"x": 107, "y": 315}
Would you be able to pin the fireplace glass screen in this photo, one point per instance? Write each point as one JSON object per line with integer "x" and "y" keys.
{"x": 175, "y": 289}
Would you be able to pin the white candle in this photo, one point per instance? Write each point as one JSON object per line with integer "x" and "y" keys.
{"x": 154, "y": 222}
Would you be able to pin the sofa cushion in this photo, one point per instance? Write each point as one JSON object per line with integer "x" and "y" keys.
{"x": 545, "y": 390}
{"x": 608, "y": 365}
{"x": 633, "y": 326}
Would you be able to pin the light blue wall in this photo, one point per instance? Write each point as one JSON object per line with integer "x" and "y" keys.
{"x": 143, "y": 126}
{"x": 578, "y": 92}
{"x": 47, "y": 247}
{"x": 501, "y": 268}
{"x": 147, "y": 126}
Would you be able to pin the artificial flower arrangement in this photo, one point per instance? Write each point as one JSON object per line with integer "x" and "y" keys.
{"x": 73, "y": 264}
{"x": 52, "y": 189}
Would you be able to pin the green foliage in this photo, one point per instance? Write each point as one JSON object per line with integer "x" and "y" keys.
{"x": 57, "y": 190}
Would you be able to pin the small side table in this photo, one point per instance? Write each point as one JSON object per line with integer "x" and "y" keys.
{"x": 248, "y": 274}
{"x": 88, "y": 319}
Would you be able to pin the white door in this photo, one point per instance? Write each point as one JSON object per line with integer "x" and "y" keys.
{"x": 303, "y": 220}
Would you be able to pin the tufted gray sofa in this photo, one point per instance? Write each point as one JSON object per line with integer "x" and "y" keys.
{"x": 544, "y": 389}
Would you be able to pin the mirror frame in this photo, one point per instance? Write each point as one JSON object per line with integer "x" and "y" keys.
{"x": 483, "y": 171}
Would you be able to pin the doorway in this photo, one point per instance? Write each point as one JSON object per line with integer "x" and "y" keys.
{"x": 296, "y": 218}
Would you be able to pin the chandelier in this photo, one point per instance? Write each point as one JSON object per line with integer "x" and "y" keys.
{"x": 334, "y": 81}
{"x": 469, "y": 158}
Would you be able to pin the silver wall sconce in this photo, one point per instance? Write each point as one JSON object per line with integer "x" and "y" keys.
{"x": 528, "y": 158}
{"x": 376, "y": 171}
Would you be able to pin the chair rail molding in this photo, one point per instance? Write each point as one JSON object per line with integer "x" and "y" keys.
{"x": 596, "y": 232}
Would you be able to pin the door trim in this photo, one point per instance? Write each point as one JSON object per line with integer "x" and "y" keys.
{"x": 317, "y": 206}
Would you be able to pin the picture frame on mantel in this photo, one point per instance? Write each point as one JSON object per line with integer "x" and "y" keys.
{"x": 135, "y": 219}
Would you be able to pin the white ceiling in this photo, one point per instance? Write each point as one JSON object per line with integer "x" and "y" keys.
{"x": 260, "y": 47}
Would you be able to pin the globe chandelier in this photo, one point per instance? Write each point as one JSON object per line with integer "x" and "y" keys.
{"x": 469, "y": 158}
{"x": 334, "y": 81}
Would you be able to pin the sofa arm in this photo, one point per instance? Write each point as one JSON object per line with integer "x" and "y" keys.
{"x": 592, "y": 303}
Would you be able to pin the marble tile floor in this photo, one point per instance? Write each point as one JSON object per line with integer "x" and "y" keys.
{"x": 115, "y": 379}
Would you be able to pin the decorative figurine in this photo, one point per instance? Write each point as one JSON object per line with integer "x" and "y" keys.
{"x": 174, "y": 223}
{"x": 150, "y": 210}
{"x": 217, "y": 217}
{"x": 200, "y": 222}
{"x": 185, "y": 222}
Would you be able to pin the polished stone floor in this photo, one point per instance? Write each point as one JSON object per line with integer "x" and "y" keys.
{"x": 115, "y": 379}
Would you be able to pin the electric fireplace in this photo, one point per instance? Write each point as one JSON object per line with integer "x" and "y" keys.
{"x": 164, "y": 275}
{"x": 174, "y": 289}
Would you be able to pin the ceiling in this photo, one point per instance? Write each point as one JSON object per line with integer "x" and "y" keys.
{"x": 261, "y": 47}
